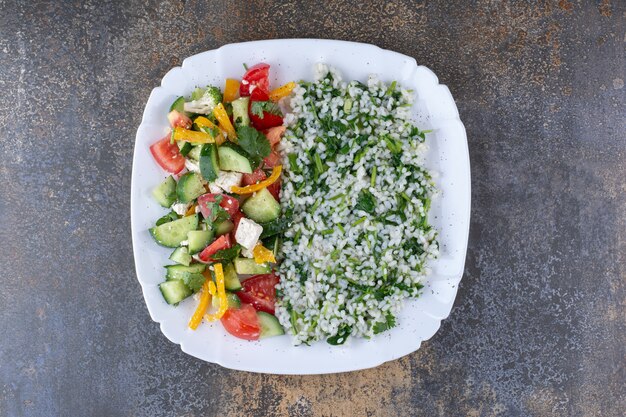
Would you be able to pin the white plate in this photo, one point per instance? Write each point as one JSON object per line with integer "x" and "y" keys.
{"x": 293, "y": 59}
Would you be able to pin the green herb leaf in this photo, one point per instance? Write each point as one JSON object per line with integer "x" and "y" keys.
{"x": 227, "y": 255}
{"x": 194, "y": 281}
{"x": 259, "y": 107}
{"x": 390, "y": 321}
{"x": 217, "y": 212}
{"x": 254, "y": 143}
{"x": 366, "y": 202}
{"x": 341, "y": 336}
{"x": 169, "y": 217}
{"x": 275, "y": 226}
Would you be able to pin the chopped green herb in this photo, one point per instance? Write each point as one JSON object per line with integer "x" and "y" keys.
{"x": 254, "y": 143}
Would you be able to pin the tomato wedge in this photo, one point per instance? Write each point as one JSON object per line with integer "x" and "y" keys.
{"x": 178, "y": 119}
{"x": 259, "y": 95}
{"x": 167, "y": 155}
{"x": 242, "y": 323}
{"x": 221, "y": 243}
{"x": 274, "y": 134}
{"x": 236, "y": 218}
{"x": 256, "y": 176}
{"x": 272, "y": 160}
{"x": 274, "y": 189}
{"x": 257, "y": 76}
{"x": 268, "y": 120}
{"x": 260, "y": 291}
{"x": 228, "y": 203}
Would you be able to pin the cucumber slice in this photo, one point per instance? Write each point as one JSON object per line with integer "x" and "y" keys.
{"x": 231, "y": 160}
{"x": 165, "y": 193}
{"x": 198, "y": 240}
{"x": 194, "y": 153}
{"x": 178, "y": 105}
{"x": 232, "y": 301}
{"x": 240, "y": 111}
{"x": 185, "y": 148}
{"x": 170, "y": 234}
{"x": 224, "y": 227}
{"x": 209, "y": 167}
{"x": 270, "y": 326}
{"x": 231, "y": 279}
{"x": 181, "y": 256}
{"x": 261, "y": 207}
{"x": 189, "y": 187}
{"x": 174, "y": 291}
{"x": 246, "y": 266}
{"x": 179, "y": 272}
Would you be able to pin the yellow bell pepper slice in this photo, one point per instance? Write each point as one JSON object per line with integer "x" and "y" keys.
{"x": 191, "y": 211}
{"x": 282, "y": 91}
{"x": 202, "y": 121}
{"x": 221, "y": 294}
{"x": 249, "y": 189}
{"x": 263, "y": 254}
{"x": 192, "y": 136}
{"x": 222, "y": 118}
{"x": 212, "y": 288}
{"x": 205, "y": 298}
{"x": 231, "y": 90}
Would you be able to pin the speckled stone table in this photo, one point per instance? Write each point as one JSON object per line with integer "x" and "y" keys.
{"x": 539, "y": 324}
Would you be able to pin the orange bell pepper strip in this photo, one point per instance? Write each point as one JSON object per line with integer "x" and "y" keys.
{"x": 249, "y": 189}
{"x": 231, "y": 90}
{"x": 222, "y": 118}
{"x": 205, "y": 298}
{"x": 221, "y": 294}
{"x": 262, "y": 254}
{"x": 282, "y": 91}
{"x": 203, "y": 122}
{"x": 191, "y": 211}
{"x": 179, "y": 133}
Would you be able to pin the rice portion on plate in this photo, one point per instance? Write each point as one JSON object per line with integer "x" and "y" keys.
{"x": 358, "y": 195}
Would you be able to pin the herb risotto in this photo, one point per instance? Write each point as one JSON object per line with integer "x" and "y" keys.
{"x": 359, "y": 239}
{"x": 298, "y": 210}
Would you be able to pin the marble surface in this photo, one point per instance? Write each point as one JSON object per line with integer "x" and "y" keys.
{"x": 539, "y": 324}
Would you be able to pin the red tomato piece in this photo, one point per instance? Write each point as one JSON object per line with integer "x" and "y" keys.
{"x": 274, "y": 134}
{"x": 178, "y": 119}
{"x": 259, "y": 95}
{"x": 242, "y": 323}
{"x": 272, "y": 160}
{"x": 228, "y": 203}
{"x": 274, "y": 189}
{"x": 167, "y": 155}
{"x": 236, "y": 218}
{"x": 267, "y": 121}
{"x": 221, "y": 243}
{"x": 260, "y": 291}
{"x": 256, "y": 176}
{"x": 257, "y": 76}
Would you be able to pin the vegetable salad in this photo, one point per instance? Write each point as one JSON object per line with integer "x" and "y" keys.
{"x": 223, "y": 195}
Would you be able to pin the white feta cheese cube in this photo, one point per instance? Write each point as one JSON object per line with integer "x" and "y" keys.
{"x": 181, "y": 208}
{"x": 192, "y": 166}
{"x": 248, "y": 233}
{"x": 215, "y": 189}
{"x": 246, "y": 253}
{"x": 227, "y": 179}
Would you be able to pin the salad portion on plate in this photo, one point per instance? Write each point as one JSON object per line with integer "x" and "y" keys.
{"x": 301, "y": 209}
{"x": 223, "y": 195}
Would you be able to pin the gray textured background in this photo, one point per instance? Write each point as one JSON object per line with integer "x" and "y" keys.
{"x": 539, "y": 325}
